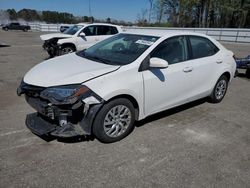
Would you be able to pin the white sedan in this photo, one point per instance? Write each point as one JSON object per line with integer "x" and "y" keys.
{"x": 104, "y": 89}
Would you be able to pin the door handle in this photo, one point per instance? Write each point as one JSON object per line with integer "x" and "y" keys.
{"x": 188, "y": 69}
{"x": 219, "y": 61}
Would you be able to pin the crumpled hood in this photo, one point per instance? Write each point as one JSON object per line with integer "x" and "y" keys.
{"x": 65, "y": 70}
{"x": 54, "y": 35}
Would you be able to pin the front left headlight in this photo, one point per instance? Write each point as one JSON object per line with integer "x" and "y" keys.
{"x": 64, "y": 94}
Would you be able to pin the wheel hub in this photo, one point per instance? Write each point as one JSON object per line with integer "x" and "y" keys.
{"x": 117, "y": 121}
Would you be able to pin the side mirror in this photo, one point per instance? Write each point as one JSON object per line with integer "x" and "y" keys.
{"x": 82, "y": 34}
{"x": 156, "y": 62}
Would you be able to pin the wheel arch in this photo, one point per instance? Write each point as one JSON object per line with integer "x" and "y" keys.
{"x": 131, "y": 99}
{"x": 69, "y": 44}
{"x": 228, "y": 75}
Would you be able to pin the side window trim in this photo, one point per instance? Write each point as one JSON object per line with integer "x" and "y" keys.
{"x": 191, "y": 49}
{"x": 166, "y": 40}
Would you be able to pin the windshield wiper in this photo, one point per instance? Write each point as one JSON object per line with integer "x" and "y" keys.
{"x": 96, "y": 58}
{"x": 105, "y": 61}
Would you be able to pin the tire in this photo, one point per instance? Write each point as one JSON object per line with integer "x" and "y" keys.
{"x": 51, "y": 55}
{"x": 25, "y": 30}
{"x": 248, "y": 73}
{"x": 108, "y": 128}
{"x": 6, "y": 29}
{"x": 67, "y": 50}
{"x": 219, "y": 90}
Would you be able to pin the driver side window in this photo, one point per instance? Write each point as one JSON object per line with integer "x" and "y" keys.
{"x": 173, "y": 50}
{"x": 90, "y": 30}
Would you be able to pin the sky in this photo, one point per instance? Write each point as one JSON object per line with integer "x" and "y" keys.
{"x": 126, "y": 10}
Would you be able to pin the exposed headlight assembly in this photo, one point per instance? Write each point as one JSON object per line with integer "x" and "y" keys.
{"x": 65, "y": 94}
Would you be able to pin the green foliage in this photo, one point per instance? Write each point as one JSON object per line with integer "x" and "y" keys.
{"x": 57, "y": 17}
{"x": 203, "y": 13}
{"x": 12, "y": 14}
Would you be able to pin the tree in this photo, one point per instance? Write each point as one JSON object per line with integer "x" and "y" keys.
{"x": 12, "y": 14}
{"x": 150, "y": 9}
{"x": 108, "y": 20}
{"x": 28, "y": 15}
{"x": 85, "y": 18}
{"x": 141, "y": 18}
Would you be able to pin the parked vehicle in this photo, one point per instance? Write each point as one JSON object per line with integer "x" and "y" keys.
{"x": 77, "y": 37}
{"x": 104, "y": 89}
{"x": 244, "y": 63}
{"x": 15, "y": 26}
{"x": 64, "y": 28}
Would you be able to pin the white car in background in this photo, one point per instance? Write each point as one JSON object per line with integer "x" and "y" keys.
{"x": 104, "y": 89}
{"x": 77, "y": 37}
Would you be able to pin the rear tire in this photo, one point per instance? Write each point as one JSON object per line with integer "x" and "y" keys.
{"x": 219, "y": 90}
{"x": 25, "y": 30}
{"x": 114, "y": 121}
{"x": 248, "y": 73}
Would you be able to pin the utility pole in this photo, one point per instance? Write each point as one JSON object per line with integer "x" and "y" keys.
{"x": 90, "y": 13}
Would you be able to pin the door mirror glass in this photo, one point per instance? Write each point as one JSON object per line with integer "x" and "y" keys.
{"x": 156, "y": 62}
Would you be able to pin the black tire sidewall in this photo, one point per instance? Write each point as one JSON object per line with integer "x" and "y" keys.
{"x": 67, "y": 47}
{"x": 248, "y": 73}
{"x": 98, "y": 129}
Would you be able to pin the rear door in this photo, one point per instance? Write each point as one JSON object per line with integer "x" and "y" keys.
{"x": 205, "y": 60}
{"x": 105, "y": 31}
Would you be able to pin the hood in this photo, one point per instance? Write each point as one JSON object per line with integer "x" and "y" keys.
{"x": 55, "y": 35}
{"x": 66, "y": 70}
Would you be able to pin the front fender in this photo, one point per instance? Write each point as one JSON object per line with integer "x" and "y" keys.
{"x": 66, "y": 40}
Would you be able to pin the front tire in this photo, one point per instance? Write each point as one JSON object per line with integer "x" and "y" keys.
{"x": 219, "y": 90}
{"x": 67, "y": 50}
{"x": 114, "y": 121}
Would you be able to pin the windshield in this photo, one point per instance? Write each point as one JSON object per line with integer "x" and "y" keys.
{"x": 120, "y": 49}
{"x": 73, "y": 29}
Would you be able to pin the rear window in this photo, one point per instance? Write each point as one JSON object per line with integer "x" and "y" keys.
{"x": 202, "y": 47}
{"x": 106, "y": 30}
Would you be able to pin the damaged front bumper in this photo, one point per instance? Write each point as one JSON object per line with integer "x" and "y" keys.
{"x": 64, "y": 121}
{"x": 52, "y": 47}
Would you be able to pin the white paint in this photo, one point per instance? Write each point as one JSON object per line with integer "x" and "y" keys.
{"x": 153, "y": 91}
{"x": 78, "y": 40}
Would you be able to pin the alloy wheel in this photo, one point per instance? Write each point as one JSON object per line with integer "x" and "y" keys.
{"x": 117, "y": 121}
{"x": 220, "y": 89}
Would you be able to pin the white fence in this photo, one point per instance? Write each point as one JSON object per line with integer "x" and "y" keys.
{"x": 221, "y": 34}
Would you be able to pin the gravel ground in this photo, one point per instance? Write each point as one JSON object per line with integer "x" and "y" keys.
{"x": 196, "y": 145}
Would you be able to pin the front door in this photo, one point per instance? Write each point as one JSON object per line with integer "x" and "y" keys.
{"x": 89, "y": 39}
{"x": 165, "y": 88}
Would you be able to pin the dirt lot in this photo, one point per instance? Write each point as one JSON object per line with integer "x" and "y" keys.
{"x": 197, "y": 145}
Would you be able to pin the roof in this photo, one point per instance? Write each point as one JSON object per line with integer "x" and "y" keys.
{"x": 160, "y": 32}
{"x": 107, "y": 24}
